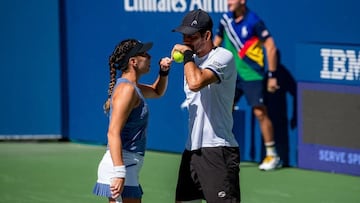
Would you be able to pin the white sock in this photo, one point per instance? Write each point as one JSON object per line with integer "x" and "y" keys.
{"x": 270, "y": 149}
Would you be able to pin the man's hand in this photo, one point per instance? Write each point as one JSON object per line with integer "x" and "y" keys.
{"x": 272, "y": 85}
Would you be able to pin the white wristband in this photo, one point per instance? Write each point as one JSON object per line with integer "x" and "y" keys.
{"x": 120, "y": 171}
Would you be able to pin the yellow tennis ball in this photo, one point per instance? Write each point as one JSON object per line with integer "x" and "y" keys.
{"x": 178, "y": 57}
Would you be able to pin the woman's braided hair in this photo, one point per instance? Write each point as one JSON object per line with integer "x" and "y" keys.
{"x": 115, "y": 61}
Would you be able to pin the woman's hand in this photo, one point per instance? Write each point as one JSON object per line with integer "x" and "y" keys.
{"x": 116, "y": 187}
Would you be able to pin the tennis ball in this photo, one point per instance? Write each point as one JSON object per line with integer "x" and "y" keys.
{"x": 178, "y": 56}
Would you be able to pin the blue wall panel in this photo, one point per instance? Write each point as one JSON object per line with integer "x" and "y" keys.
{"x": 29, "y": 69}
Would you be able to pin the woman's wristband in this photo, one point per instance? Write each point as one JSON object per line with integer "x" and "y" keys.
{"x": 119, "y": 171}
{"x": 188, "y": 56}
{"x": 163, "y": 73}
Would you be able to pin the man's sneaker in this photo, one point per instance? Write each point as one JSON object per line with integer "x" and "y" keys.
{"x": 270, "y": 163}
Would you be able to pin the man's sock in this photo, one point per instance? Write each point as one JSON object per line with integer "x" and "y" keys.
{"x": 270, "y": 149}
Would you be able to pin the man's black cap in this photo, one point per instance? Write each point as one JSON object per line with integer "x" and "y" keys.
{"x": 194, "y": 21}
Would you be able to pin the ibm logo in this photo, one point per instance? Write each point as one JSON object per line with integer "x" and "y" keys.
{"x": 339, "y": 64}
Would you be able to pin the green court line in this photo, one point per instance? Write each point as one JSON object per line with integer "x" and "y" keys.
{"x": 58, "y": 172}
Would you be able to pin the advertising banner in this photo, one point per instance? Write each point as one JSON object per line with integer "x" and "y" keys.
{"x": 328, "y": 63}
{"x": 328, "y": 107}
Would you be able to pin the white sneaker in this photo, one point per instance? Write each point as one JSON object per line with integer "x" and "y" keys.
{"x": 270, "y": 163}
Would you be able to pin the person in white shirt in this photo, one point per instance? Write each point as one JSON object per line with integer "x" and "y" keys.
{"x": 209, "y": 167}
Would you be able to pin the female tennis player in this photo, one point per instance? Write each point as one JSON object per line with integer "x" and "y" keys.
{"x": 118, "y": 171}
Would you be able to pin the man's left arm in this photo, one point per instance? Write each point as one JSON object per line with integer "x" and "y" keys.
{"x": 270, "y": 48}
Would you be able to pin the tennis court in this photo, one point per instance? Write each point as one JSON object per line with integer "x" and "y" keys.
{"x": 63, "y": 172}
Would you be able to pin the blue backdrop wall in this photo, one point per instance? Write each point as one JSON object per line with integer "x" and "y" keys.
{"x": 30, "y": 103}
{"x": 54, "y": 72}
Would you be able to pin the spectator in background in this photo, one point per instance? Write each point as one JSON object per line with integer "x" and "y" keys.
{"x": 278, "y": 110}
{"x": 119, "y": 169}
{"x": 243, "y": 33}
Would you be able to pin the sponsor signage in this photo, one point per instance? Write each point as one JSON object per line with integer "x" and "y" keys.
{"x": 326, "y": 63}
{"x": 211, "y": 6}
{"x": 328, "y": 78}
{"x": 329, "y": 127}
